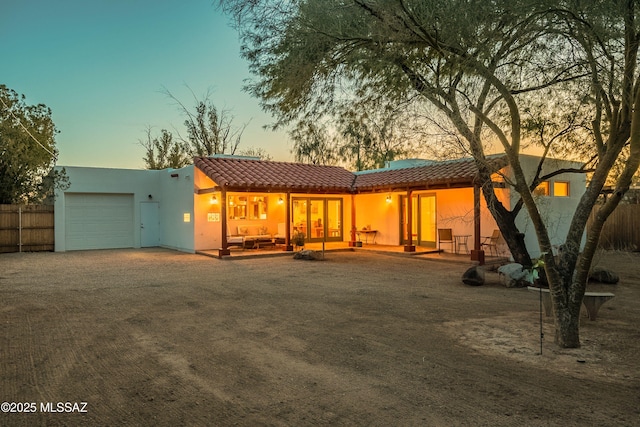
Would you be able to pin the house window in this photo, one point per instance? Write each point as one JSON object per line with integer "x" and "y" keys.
{"x": 247, "y": 207}
{"x": 542, "y": 189}
{"x": 561, "y": 189}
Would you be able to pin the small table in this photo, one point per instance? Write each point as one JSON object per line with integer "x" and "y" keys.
{"x": 460, "y": 241}
{"x": 366, "y": 235}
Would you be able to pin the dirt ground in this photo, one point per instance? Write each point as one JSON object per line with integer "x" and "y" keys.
{"x": 156, "y": 337}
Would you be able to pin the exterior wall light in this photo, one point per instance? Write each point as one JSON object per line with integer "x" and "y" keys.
{"x": 388, "y": 200}
{"x": 214, "y": 200}
{"x": 280, "y": 201}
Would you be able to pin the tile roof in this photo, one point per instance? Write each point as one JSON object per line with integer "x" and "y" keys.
{"x": 245, "y": 174}
{"x": 248, "y": 174}
{"x": 444, "y": 174}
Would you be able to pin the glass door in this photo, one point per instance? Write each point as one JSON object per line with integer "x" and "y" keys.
{"x": 405, "y": 221}
{"x": 428, "y": 233}
{"x": 299, "y": 217}
{"x": 318, "y": 218}
{"x": 423, "y": 220}
{"x": 334, "y": 219}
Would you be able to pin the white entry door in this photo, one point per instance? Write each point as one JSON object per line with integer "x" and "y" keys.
{"x": 149, "y": 224}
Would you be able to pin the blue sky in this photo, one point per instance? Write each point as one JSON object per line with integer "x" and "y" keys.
{"x": 101, "y": 66}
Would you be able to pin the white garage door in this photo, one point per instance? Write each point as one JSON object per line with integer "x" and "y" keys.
{"x": 98, "y": 221}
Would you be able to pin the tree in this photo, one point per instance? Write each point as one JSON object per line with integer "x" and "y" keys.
{"x": 163, "y": 152}
{"x": 27, "y": 151}
{"x": 359, "y": 140}
{"x": 312, "y": 143}
{"x": 484, "y": 66}
{"x": 258, "y": 152}
{"x": 209, "y": 130}
{"x": 370, "y": 142}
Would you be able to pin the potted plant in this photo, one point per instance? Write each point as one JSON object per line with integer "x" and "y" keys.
{"x": 298, "y": 239}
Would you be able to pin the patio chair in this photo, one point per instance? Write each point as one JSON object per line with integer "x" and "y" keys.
{"x": 445, "y": 235}
{"x": 281, "y": 237}
{"x": 235, "y": 239}
{"x": 492, "y": 242}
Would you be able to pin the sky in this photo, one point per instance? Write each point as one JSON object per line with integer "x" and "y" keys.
{"x": 102, "y": 66}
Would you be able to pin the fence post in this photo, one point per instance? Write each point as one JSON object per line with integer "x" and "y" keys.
{"x": 19, "y": 228}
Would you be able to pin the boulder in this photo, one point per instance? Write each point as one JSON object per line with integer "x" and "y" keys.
{"x": 473, "y": 276}
{"x": 308, "y": 254}
{"x": 513, "y": 276}
{"x": 602, "y": 275}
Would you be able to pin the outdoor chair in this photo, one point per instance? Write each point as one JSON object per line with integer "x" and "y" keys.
{"x": 234, "y": 239}
{"x": 492, "y": 242}
{"x": 281, "y": 237}
{"x": 445, "y": 235}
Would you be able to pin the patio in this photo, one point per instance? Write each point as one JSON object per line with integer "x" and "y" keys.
{"x": 420, "y": 252}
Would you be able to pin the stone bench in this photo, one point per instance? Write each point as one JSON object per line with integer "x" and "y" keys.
{"x": 592, "y": 301}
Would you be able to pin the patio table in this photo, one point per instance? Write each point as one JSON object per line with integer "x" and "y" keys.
{"x": 366, "y": 235}
{"x": 461, "y": 240}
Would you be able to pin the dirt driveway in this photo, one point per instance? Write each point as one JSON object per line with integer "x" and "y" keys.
{"x": 155, "y": 337}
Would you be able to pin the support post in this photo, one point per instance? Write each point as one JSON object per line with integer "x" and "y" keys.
{"x": 224, "y": 250}
{"x": 19, "y": 228}
{"x": 409, "y": 246}
{"x": 477, "y": 254}
{"x": 288, "y": 247}
{"x": 353, "y": 242}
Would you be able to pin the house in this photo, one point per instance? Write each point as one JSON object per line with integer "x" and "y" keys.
{"x": 225, "y": 201}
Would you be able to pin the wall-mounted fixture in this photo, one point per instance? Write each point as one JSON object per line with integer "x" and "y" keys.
{"x": 280, "y": 201}
{"x": 388, "y": 200}
{"x": 174, "y": 175}
{"x": 150, "y": 196}
{"x": 214, "y": 200}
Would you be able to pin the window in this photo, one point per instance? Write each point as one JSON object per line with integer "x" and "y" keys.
{"x": 542, "y": 189}
{"x": 561, "y": 189}
{"x": 247, "y": 207}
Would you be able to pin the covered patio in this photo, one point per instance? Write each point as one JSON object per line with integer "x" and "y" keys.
{"x": 328, "y": 204}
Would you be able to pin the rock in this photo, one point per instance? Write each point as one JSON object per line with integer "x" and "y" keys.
{"x": 307, "y": 254}
{"x": 513, "y": 276}
{"x": 473, "y": 276}
{"x": 602, "y": 275}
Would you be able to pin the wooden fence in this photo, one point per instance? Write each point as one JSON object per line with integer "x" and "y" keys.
{"x": 27, "y": 228}
{"x": 622, "y": 229}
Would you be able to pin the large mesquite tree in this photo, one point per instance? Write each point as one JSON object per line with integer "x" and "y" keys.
{"x": 559, "y": 74}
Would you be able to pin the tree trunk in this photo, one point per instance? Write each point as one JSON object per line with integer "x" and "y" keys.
{"x": 567, "y": 325}
{"x": 506, "y": 223}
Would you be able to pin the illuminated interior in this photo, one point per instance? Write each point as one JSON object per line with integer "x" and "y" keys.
{"x": 561, "y": 189}
{"x": 542, "y": 189}
{"x": 247, "y": 207}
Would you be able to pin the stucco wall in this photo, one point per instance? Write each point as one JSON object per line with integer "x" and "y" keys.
{"x": 556, "y": 211}
{"x": 454, "y": 209}
{"x": 177, "y": 193}
{"x": 139, "y": 183}
{"x": 372, "y": 210}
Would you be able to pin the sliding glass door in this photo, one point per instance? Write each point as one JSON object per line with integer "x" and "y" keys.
{"x": 423, "y": 220}
{"x": 318, "y": 218}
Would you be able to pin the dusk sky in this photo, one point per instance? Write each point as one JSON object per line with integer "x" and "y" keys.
{"x": 101, "y": 66}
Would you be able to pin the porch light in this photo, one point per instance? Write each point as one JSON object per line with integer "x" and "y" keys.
{"x": 388, "y": 198}
{"x": 214, "y": 200}
{"x": 280, "y": 201}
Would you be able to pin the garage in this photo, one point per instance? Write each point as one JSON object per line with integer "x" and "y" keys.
{"x": 98, "y": 221}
